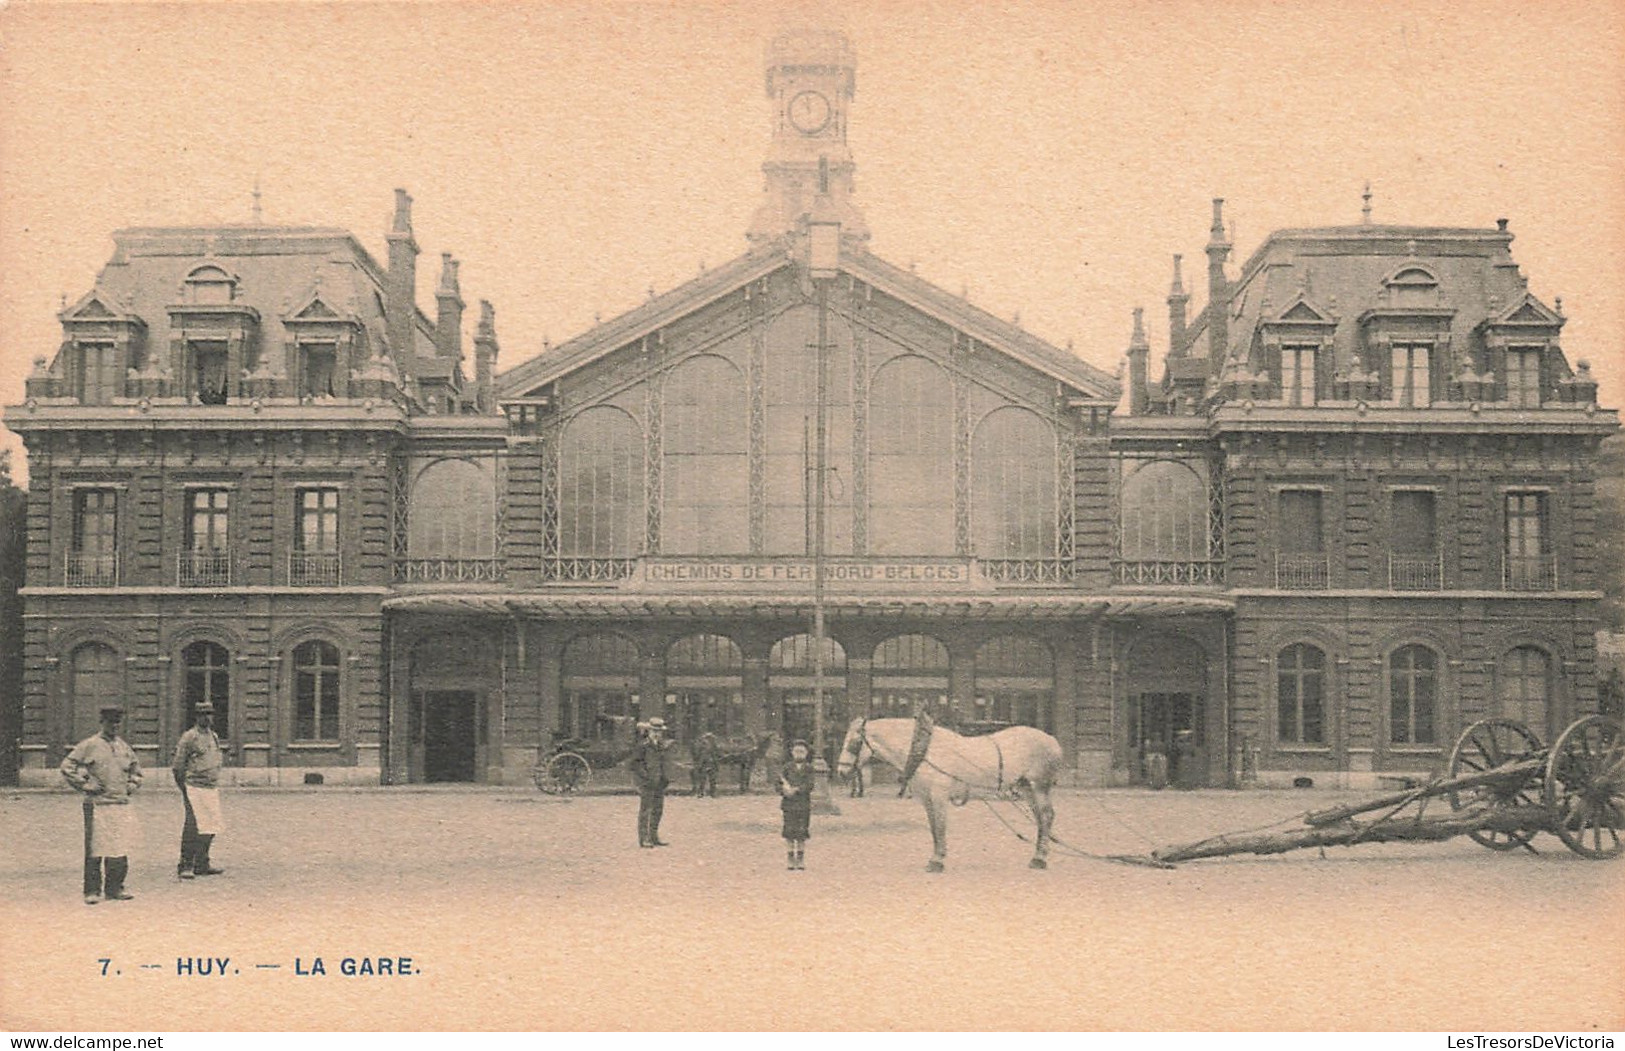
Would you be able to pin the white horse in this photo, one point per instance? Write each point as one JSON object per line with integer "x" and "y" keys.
{"x": 1018, "y": 760}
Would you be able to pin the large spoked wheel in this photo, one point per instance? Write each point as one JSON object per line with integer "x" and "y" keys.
{"x": 1486, "y": 745}
{"x": 568, "y": 772}
{"x": 1585, "y": 787}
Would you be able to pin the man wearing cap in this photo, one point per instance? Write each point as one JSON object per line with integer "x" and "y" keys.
{"x": 103, "y": 767}
{"x": 651, "y": 773}
{"x": 197, "y": 774}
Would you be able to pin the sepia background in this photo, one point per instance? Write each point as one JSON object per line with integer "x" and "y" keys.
{"x": 1048, "y": 159}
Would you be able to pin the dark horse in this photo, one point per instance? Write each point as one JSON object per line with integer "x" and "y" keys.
{"x": 1019, "y": 759}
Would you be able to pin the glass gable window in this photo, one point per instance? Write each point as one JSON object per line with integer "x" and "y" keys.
{"x": 1013, "y": 486}
{"x": 1164, "y": 514}
{"x": 705, "y": 469}
{"x": 790, "y": 401}
{"x": 911, "y": 465}
{"x": 601, "y": 485}
{"x": 453, "y": 512}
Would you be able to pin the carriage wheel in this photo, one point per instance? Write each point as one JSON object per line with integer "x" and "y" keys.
{"x": 569, "y": 772}
{"x": 1486, "y": 745}
{"x": 1585, "y": 787}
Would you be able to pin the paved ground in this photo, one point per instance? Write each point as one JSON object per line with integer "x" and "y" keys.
{"x": 521, "y": 911}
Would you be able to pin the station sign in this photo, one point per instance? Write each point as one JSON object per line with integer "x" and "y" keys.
{"x": 781, "y": 574}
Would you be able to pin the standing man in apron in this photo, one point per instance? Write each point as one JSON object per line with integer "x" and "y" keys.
{"x": 197, "y": 774}
{"x": 104, "y": 768}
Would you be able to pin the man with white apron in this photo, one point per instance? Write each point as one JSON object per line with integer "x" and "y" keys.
{"x": 104, "y": 768}
{"x": 197, "y": 773}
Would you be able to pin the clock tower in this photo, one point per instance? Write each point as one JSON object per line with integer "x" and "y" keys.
{"x": 810, "y": 82}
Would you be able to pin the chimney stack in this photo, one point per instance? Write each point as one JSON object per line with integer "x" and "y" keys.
{"x": 1139, "y": 354}
{"x": 449, "y": 320}
{"x": 401, "y": 284}
{"x": 1218, "y": 287}
{"x": 485, "y": 358}
{"x": 1178, "y": 300}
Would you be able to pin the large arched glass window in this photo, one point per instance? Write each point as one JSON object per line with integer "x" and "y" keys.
{"x": 316, "y": 691}
{"x": 1015, "y": 682}
{"x": 1013, "y": 497}
{"x": 1300, "y": 695}
{"x": 453, "y": 512}
{"x": 206, "y": 676}
{"x": 600, "y": 675}
{"x": 790, "y": 397}
{"x": 911, "y": 672}
{"x": 1523, "y": 687}
{"x": 1413, "y": 690}
{"x": 911, "y": 459}
{"x": 601, "y": 485}
{"x": 1164, "y": 514}
{"x": 705, "y": 470}
{"x": 95, "y": 678}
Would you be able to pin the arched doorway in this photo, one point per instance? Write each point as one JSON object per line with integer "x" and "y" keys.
{"x": 599, "y": 687}
{"x": 1015, "y": 683}
{"x": 1167, "y": 709}
{"x": 792, "y": 690}
{"x": 705, "y": 687}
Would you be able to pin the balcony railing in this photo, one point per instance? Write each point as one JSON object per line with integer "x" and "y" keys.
{"x": 91, "y": 571}
{"x": 314, "y": 569}
{"x": 1303, "y": 572}
{"x": 1026, "y": 570}
{"x": 1415, "y": 572}
{"x": 449, "y": 570}
{"x": 1529, "y": 573}
{"x": 1190, "y": 573}
{"x": 587, "y": 570}
{"x": 203, "y": 569}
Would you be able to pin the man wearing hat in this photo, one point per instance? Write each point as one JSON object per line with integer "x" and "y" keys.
{"x": 651, "y": 772}
{"x": 103, "y": 767}
{"x": 197, "y": 774}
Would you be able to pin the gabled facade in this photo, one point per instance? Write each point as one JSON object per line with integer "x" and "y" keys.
{"x": 1356, "y": 512}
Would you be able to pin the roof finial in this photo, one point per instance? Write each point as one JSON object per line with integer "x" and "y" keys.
{"x": 1558, "y": 306}
{"x": 1365, "y": 209}
{"x": 64, "y": 297}
{"x": 257, "y": 214}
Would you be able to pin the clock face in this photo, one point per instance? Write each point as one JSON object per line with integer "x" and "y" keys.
{"x": 809, "y": 112}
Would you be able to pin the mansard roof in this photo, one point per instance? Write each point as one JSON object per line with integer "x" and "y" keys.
{"x": 860, "y": 264}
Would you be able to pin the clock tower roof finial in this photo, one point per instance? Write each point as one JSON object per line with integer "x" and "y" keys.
{"x": 811, "y": 81}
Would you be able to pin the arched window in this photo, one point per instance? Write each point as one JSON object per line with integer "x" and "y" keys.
{"x": 705, "y": 468}
{"x": 600, "y": 676}
{"x": 705, "y": 687}
{"x": 95, "y": 678}
{"x": 1013, "y": 498}
{"x": 1523, "y": 687}
{"x": 1164, "y": 514}
{"x": 1413, "y": 690}
{"x": 1300, "y": 695}
{"x": 206, "y": 676}
{"x": 790, "y": 396}
{"x": 316, "y": 691}
{"x": 452, "y": 513}
{"x": 911, "y": 459}
{"x": 601, "y": 485}
{"x": 792, "y": 688}
{"x": 910, "y": 672}
{"x": 1015, "y": 682}
{"x": 208, "y": 284}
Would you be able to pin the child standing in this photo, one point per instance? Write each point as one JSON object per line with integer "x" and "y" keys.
{"x": 795, "y": 788}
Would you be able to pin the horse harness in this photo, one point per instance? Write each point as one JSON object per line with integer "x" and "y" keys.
{"x": 919, "y": 745}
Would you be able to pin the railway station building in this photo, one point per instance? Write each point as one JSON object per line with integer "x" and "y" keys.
{"x": 1352, "y": 511}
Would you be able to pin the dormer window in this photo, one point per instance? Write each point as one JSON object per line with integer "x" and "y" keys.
{"x": 318, "y": 370}
{"x": 210, "y": 376}
{"x": 97, "y": 379}
{"x": 1412, "y": 375}
{"x": 210, "y": 285}
{"x": 1523, "y": 377}
{"x": 1298, "y": 375}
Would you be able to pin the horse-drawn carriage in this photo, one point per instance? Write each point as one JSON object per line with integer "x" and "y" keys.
{"x": 568, "y": 766}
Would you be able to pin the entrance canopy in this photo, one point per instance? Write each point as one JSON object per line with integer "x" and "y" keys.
{"x": 997, "y": 607}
